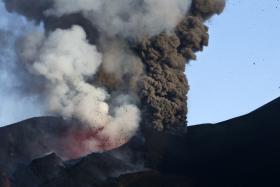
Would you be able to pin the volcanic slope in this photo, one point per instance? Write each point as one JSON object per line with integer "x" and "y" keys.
{"x": 243, "y": 151}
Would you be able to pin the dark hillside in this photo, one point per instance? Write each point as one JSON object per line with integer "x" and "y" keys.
{"x": 243, "y": 151}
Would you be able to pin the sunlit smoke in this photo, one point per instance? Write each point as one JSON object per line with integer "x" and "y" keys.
{"x": 65, "y": 59}
{"x": 125, "y": 17}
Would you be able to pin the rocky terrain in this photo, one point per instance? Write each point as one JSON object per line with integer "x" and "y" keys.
{"x": 243, "y": 151}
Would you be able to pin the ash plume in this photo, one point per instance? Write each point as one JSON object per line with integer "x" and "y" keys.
{"x": 164, "y": 87}
{"x": 109, "y": 63}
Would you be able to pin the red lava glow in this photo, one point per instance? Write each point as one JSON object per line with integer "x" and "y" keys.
{"x": 4, "y": 180}
{"x": 80, "y": 142}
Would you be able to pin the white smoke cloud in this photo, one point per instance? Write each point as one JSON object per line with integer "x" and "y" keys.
{"x": 65, "y": 59}
{"x": 128, "y": 18}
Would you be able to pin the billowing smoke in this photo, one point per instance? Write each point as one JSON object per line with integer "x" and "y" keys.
{"x": 107, "y": 63}
{"x": 66, "y": 60}
{"x": 164, "y": 86}
{"x": 125, "y": 17}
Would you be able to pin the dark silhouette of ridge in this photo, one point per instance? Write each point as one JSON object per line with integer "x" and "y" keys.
{"x": 32, "y": 138}
{"x": 243, "y": 151}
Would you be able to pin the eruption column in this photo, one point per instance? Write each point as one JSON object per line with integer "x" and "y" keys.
{"x": 104, "y": 62}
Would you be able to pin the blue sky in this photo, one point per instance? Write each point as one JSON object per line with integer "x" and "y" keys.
{"x": 13, "y": 106}
{"x": 237, "y": 73}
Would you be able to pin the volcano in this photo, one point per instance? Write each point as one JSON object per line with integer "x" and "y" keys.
{"x": 243, "y": 151}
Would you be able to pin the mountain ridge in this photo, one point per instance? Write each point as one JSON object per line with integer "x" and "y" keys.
{"x": 242, "y": 151}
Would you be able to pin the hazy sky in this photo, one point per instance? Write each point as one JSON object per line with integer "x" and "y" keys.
{"x": 13, "y": 107}
{"x": 237, "y": 73}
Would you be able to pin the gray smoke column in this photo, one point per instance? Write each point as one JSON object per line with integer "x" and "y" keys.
{"x": 164, "y": 87}
{"x": 105, "y": 63}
